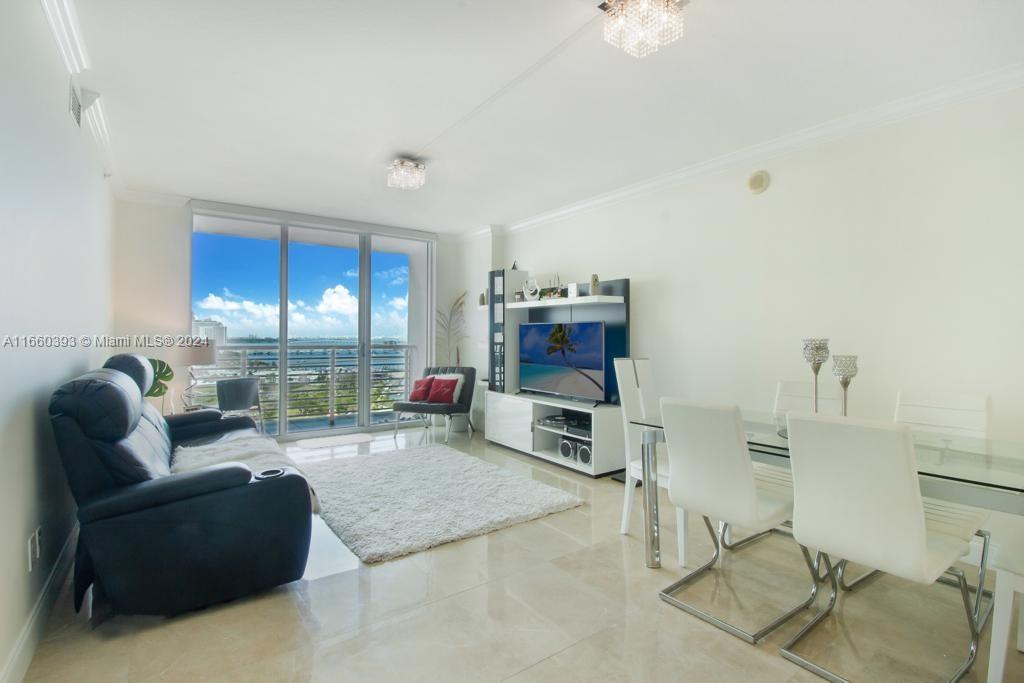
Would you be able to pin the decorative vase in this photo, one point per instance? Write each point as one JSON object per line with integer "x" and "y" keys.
{"x": 815, "y": 353}
{"x": 844, "y": 368}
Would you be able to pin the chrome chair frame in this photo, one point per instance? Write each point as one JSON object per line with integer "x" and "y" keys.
{"x": 976, "y": 617}
{"x": 718, "y": 540}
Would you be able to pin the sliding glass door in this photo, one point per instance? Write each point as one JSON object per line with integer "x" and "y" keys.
{"x": 333, "y": 323}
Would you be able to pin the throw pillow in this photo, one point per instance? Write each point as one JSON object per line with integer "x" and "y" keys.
{"x": 460, "y": 378}
{"x": 421, "y": 389}
{"x": 443, "y": 390}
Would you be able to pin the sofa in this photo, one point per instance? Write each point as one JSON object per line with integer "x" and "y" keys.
{"x": 461, "y": 407}
{"x": 156, "y": 542}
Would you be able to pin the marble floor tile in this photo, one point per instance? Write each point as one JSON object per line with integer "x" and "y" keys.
{"x": 561, "y": 598}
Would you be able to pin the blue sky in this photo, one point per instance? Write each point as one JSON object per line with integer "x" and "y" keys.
{"x": 588, "y": 338}
{"x": 235, "y": 280}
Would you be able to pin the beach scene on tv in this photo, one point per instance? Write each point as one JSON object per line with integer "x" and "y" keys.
{"x": 563, "y": 358}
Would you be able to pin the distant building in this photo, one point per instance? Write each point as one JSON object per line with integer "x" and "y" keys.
{"x": 214, "y": 330}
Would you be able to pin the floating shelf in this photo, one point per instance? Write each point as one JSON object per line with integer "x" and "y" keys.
{"x": 567, "y": 301}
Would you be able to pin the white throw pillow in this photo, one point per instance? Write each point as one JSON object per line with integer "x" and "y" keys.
{"x": 458, "y": 386}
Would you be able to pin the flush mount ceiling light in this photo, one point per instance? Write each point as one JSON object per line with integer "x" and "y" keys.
{"x": 406, "y": 174}
{"x": 640, "y": 27}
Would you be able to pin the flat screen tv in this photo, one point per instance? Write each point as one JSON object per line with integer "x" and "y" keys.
{"x": 564, "y": 359}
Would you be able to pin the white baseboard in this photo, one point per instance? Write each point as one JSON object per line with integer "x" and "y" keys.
{"x": 25, "y": 646}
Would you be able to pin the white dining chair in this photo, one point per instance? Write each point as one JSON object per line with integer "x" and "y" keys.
{"x": 1008, "y": 562}
{"x": 712, "y": 473}
{"x": 943, "y": 413}
{"x": 857, "y": 499}
{"x": 639, "y": 398}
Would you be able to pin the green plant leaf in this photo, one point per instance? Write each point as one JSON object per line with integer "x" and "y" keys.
{"x": 162, "y": 374}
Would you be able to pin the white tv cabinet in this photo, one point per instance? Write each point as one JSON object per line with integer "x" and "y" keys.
{"x": 511, "y": 420}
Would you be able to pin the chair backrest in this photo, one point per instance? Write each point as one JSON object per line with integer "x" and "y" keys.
{"x": 638, "y": 397}
{"x": 711, "y": 471}
{"x": 468, "y": 382}
{"x": 856, "y": 492}
{"x": 944, "y": 413}
{"x": 799, "y": 396}
{"x": 108, "y": 436}
{"x": 241, "y": 393}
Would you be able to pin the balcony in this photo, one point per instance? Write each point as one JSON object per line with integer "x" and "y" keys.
{"x": 322, "y": 381}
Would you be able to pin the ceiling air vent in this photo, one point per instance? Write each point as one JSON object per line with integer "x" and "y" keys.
{"x": 75, "y": 105}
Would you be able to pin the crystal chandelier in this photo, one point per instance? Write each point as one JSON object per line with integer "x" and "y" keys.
{"x": 640, "y": 27}
{"x": 406, "y": 174}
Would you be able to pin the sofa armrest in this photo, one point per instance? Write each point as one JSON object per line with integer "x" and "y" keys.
{"x": 192, "y": 417}
{"x": 165, "y": 490}
{"x": 197, "y": 430}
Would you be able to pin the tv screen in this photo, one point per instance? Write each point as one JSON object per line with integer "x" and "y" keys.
{"x": 566, "y": 359}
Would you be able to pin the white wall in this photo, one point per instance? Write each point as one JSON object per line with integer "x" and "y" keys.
{"x": 55, "y": 217}
{"x": 902, "y": 244}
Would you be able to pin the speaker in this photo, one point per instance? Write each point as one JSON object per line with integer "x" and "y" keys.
{"x": 583, "y": 453}
{"x": 567, "y": 448}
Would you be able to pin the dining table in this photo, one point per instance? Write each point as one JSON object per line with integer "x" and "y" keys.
{"x": 984, "y": 473}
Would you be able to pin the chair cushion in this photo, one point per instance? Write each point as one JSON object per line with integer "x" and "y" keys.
{"x": 421, "y": 389}
{"x": 460, "y": 381}
{"x": 443, "y": 390}
{"x": 428, "y": 408}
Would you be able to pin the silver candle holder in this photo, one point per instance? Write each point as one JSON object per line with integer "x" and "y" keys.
{"x": 815, "y": 353}
{"x": 845, "y": 369}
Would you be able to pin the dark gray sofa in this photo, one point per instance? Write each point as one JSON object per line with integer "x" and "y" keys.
{"x": 424, "y": 408}
{"x": 153, "y": 542}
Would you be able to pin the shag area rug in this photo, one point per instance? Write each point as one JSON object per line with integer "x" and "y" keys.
{"x": 392, "y": 504}
{"x": 329, "y": 441}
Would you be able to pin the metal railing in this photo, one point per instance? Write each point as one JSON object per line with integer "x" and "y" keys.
{"x": 323, "y": 379}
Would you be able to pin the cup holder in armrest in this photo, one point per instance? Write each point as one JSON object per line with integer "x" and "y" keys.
{"x": 272, "y": 473}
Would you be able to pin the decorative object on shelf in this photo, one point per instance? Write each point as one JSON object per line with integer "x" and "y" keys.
{"x": 519, "y": 297}
{"x": 451, "y": 326}
{"x": 595, "y": 284}
{"x": 551, "y": 293}
{"x": 845, "y": 368}
{"x": 815, "y": 353}
{"x": 531, "y": 290}
{"x": 572, "y": 290}
{"x": 641, "y": 27}
{"x": 483, "y": 298}
{"x": 515, "y": 265}
{"x": 406, "y": 174}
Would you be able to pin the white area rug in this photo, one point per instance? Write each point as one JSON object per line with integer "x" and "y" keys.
{"x": 340, "y": 440}
{"x": 388, "y": 505}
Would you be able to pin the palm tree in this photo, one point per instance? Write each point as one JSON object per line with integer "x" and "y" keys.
{"x": 560, "y": 341}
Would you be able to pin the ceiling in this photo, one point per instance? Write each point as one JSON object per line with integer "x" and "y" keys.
{"x": 518, "y": 108}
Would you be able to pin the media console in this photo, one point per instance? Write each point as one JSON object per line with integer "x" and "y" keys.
{"x": 523, "y": 422}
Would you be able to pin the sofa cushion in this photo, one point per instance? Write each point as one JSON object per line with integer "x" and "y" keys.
{"x": 142, "y": 455}
{"x": 428, "y": 408}
{"x": 135, "y": 366}
{"x": 106, "y": 404}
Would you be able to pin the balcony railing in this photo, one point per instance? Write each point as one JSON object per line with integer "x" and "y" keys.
{"x": 322, "y": 381}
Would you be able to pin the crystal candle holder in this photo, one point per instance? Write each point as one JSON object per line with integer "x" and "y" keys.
{"x": 815, "y": 353}
{"x": 844, "y": 367}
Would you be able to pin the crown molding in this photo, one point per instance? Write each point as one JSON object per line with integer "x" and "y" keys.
{"x": 125, "y": 194}
{"x": 985, "y": 85}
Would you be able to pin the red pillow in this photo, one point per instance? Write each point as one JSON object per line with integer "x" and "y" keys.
{"x": 421, "y": 389}
{"x": 443, "y": 391}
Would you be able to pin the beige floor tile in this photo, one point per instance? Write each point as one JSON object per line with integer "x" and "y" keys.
{"x": 562, "y": 598}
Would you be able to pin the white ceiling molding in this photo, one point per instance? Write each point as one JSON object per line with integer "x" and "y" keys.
{"x": 236, "y": 211}
{"x": 64, "y": 24}
{"x": 985, "y": 85}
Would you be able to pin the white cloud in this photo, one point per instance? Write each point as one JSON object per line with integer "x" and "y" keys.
{"x": 395, "y": 276}
{"x": 338, "y": 299}
{"x": 228, "y": 294}
{"x": 351, "y": 272}
{"x": 212, "y": 302}
{"x": 400, "y": 303}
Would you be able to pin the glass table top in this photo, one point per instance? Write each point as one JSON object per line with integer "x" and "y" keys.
{"x": 984, "y": 462}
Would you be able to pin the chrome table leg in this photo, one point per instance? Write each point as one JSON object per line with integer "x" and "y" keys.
{"x": 649, "y": 461}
